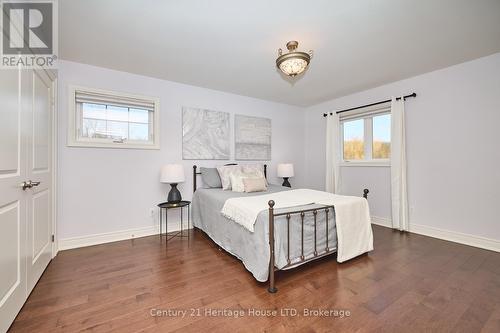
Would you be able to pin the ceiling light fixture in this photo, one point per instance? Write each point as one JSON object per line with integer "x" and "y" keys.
{"x": 293, "y": 62}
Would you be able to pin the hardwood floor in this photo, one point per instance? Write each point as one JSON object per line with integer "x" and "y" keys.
{"x": 410, "y": 283}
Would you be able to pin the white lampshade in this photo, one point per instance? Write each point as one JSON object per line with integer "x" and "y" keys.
{"x": 172, "y": 173}
{"x": 285, "y": 170}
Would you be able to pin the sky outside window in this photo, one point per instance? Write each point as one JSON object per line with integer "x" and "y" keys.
{"x": 382, "y": 136}
{"x": 354, "y": 140}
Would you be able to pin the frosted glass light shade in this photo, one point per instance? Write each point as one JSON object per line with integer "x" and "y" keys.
{"x": 172, "y": 174}
{"x": 285, "y": 170}
{"x": 293, "y": 66}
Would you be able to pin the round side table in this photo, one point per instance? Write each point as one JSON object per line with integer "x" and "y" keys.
{"x": 165, "y": 206}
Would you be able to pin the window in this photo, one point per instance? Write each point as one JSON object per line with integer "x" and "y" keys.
{"x": 116, "y": 120}
{"x": 366, "y": 136}
{"x": 381, "y": 136}
{"x": 354, "y": 146}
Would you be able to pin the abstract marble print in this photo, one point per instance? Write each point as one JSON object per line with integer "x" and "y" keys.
{"x": 205, "y": 134}
{"x": 252, "y": 138}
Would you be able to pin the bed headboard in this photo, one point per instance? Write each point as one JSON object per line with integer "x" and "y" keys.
{"x": 196, "y": 173}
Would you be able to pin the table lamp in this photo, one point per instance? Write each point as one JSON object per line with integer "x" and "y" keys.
{"x": 173, "y": 174}
{"x": 285, "y": 171}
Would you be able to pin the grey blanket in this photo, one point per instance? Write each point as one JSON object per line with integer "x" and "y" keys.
{"x": 253, "y": 248}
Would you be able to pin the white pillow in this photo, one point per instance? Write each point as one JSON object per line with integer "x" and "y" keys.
{"x": 256, "y": 170}
{"x": 224, "y": 172}
{"x": 237, "y": 182}
{"x": 237, "y": 177}
{"x": 254, "y": 184}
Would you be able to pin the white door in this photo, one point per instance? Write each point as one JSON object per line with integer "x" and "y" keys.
{"x": 12, "y": 200}
{"x": 25, "y": 213}
{"x": 39, "y": 171}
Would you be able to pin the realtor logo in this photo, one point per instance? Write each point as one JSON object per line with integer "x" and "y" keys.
{"x": 28, "y": 38}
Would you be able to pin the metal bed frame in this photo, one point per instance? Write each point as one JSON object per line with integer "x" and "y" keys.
{"x": 302, "y": 213}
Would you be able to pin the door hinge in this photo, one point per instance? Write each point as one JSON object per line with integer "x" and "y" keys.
{"x": 52, "y": 238}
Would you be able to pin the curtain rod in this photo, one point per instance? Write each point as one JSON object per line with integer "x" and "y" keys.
{"x": 372, "y": 104}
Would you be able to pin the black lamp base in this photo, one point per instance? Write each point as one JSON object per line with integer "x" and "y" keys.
{"x": 174, "y": 196}
{"x": 286, "y": 182}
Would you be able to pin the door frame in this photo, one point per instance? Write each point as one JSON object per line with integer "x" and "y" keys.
{"x": 55, "y": 109}
{"x": 52, "y": 74}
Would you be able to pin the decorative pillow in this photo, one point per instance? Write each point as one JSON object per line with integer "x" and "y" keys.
{"x": 257, "y": 169}
{"x": 237, "y": 182}
{"x": 237, "y": 179}
{"x": 254, "y": 184}
{"x": 224, "y": 172}
{"x": 254, "y": 168}
{"x": 210, "y": 177}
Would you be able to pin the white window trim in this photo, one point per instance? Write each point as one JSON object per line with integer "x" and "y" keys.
{"x": 367, "y": 163}
{"x": 367, "y": 116}
{"x": 94, "y": 143}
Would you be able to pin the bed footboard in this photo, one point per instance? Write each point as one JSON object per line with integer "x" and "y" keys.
{"x": 317, "y": 252}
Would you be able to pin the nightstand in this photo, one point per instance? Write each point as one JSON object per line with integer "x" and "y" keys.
{"x": 165, "y": 206}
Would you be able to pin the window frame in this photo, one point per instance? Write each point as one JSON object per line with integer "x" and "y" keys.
{"x": 75, "y": 122}
{"x": 367, "y": 115}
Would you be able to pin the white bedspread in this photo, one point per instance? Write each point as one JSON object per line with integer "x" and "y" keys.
{"x": 352, "y": 216}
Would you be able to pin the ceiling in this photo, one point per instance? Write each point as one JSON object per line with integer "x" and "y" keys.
{"x": 232, "y": 45}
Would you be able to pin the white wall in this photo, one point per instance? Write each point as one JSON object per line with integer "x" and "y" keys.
{"x": 112, "y": 190}
{"x": 452, "y": 148}
{"x": 453, "y": 157}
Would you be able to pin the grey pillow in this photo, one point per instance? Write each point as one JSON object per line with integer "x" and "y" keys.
{"x": 210, "y": 177}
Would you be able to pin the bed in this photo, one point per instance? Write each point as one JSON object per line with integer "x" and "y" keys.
{"x": 282, "y": 238}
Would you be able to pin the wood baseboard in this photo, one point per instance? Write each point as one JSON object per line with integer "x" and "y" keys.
{"x": 452, "y": 236}
{"x": 457, "y": 237}
{"x": 382, "y": 221}
{"x": 108, "y": 237}
{"x": 448, "y": 235}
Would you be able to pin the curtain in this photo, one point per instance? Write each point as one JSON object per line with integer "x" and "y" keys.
{"x": 332, "y": 153}
{"x": 399, "y": 194}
